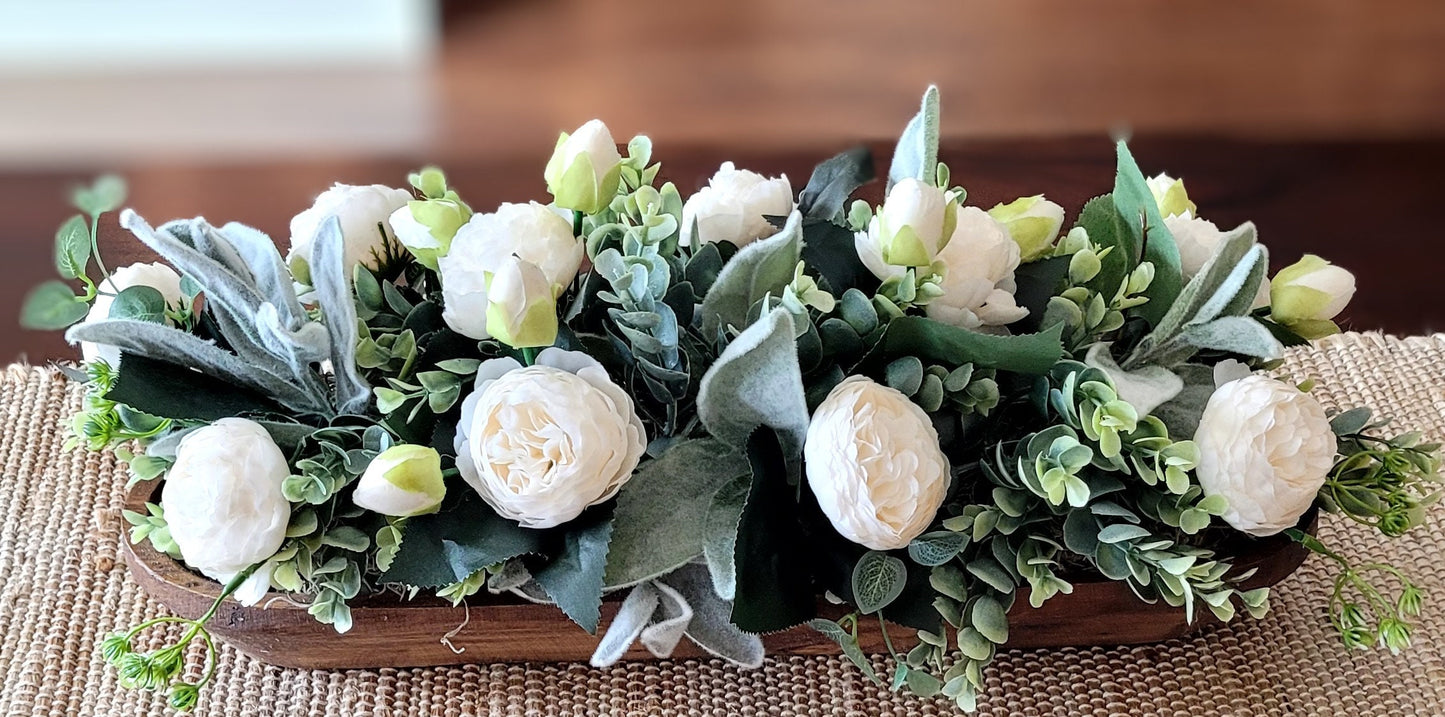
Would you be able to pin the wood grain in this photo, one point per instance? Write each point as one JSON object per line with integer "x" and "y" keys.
{"x": 387, "y": 632}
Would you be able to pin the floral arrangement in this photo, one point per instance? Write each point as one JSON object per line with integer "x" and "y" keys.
{"x": 727, "y": 407}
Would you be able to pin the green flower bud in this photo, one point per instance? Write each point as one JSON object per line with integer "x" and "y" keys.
{"x": 403, "y": 481}
{"x": 115, "y": 646}
{"x": 914, "y": 225}
{"x": 1307, "y": 295}
{"x": 426, "y": 226}
{"x": 1032, "y": 222}
{"x": 585, "y": 169}
{"x": 184, "y": 696}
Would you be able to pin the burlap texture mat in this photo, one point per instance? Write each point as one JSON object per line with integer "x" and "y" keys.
{"x": 62, "y": 589}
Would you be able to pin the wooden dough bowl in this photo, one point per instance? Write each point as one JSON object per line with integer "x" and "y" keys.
{"x": 389, "y": 632}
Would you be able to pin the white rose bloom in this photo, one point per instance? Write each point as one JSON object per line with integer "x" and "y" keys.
{"x": 223, "y": 502}
{"x": 359, "y": 209}
{"x": 157, "y": 276}
{"x": 977, "y": 274}
{"x": 1197, "y": 239}
{"x": 1266, "y": 447}
{"x": 585, "y": 168}
{"x": 873, "y": 462}
{"x": 541, "y": 444}
{"x": 532, "y": 232}
{"x": 733, "y": 207}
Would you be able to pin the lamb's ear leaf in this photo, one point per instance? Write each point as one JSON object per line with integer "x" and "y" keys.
{"x": 170, "y": 391}
{"x": 660, "y": 509}
{"x": 573, "y": 577}
{"x": 711, "y": 626}
{"x": 1235, "y": 334}
{"x": 833, "y": 182}
{"x": 755, "y": 382}
{"x": 774, "y": 580}
{"x": 916, "y": 155}
{"x": 267, "y": 268}
{"x": 185, "y": 349}
{"x": 758, "y": 269}
{"x": 338, "y": 308}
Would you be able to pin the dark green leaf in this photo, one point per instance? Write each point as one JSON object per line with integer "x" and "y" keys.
{"x": 1101, "y": 220}
{"x": 72, "y": 247}
{"x": 828, "y": 251}
{"x": 951, "y": 346}
{"x": 774, "y": 585}
{"x": 1036, "y": 283}
{"x": 573, "y": 579}
{"x": 165, "y": 389}
{"x": 833, "y": 182}
{"x": 448, "y": 546}
{"x": 1140, "y": 214}
{"x": 1351, "y": 421}
{"x": 52, "y": 306}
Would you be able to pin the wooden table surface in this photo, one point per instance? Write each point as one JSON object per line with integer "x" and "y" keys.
{"x": 1370, "y": 206}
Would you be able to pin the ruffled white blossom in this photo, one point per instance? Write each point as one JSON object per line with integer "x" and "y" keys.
{"x": 362, "y": 211}
{"x": 873, "y": 461}
{"x": 542, "y": 443}
{"x": 223, "y": 502}
{"x": 977, "y": 274}
{"x": 734, "y": 207}
{"x": 1267, "y": 447}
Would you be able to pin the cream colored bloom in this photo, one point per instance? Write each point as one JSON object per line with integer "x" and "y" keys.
{"x": 585, "y": 169}
{"x": 363, "y": 211}
{"x": 911, "y": 228}
{"x": 734, "y": 207}
{"x": 531, "y": 232}
{"x": 873, "y": 462}
{"x": 521, "y": 305}
{"x": 1170, "y": 195}
{"x": 402, "y": 481}
{"x": 223, "y": 502}
{"x": 977, "y": 271}
{"x": 1266, "y": 447}
{"x": 157, "y": 276}
{"x": 542, "y": 443}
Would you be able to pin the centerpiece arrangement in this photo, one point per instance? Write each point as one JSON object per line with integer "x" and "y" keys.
{"x": 726, "y": 409}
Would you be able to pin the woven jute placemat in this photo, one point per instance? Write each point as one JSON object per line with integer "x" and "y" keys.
{"x": 62, "y": 589}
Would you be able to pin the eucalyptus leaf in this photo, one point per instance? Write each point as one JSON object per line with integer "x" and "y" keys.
{"x": 141, "y": 303}
{"x": 52, "y": 306}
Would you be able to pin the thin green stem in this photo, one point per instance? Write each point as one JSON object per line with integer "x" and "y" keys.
{"x": 887, "y": 640}
{"x": 529, "y": 355}
{"x": 576, "y": 223}
{"x": 95, "y": 246}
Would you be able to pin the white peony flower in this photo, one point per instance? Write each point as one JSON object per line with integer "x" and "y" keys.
{"x": 733, "y": 207}
{"x": 977, "y": 270}
{"x": 910, "y": 229}
{"x": 873, "y": 461}
{"x": 585, "y": 169}
{"x": 542, "y": 443}
{"x": 1197, "y": 240}
{"x": 531, "y": 232}
{"x": 360, "y": 210}
{"x": 223, "y": 502}
{"x": 402, "y": 481}
{"x": 158, "y": 276}
{"x": 1266, "y": 447}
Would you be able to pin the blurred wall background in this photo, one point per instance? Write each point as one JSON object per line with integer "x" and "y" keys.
{"x": 245, "y": 109}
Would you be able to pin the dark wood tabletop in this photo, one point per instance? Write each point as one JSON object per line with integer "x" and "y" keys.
{"x": 1369, "y": 206}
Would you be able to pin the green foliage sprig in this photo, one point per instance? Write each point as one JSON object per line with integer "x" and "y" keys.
{"x": 53, "y": 305}
{"x": 1360, "y": 610}
{"x": 1386, "y": 483}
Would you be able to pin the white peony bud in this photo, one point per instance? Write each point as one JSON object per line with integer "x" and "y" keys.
{"x": 585, "y": 169}
{"x": 1306, "y": 296}
{"x": 521, "y": 305}
{"x": 977, "y": 274}
{"x": 873, "y": 462}
{"x": 1032, "y": 222}
{"x": 362, "y": 210}
{"x": 403, "y": 481}
{"x": 733, "y": 207}
{"x": 912, "y": 227}
{"x": 157, "y": 276}
{"x": 1266, "y": 447}
{"x": 541, "y": 444}
{"x": 1170, "y": 195}
{"x": 531, "y": 232}
{"x": 223, "y": 502}
{"x": 1196, "y": 238}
